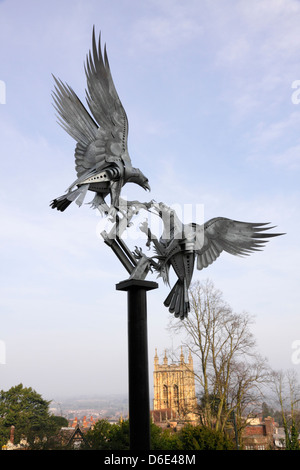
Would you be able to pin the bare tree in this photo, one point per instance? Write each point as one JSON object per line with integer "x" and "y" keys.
{"x": 287, "y": 395}
{"x": 230, "y": 371}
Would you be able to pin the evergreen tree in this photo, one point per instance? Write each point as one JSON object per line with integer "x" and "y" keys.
{"x": 28, "y": 412}
{"x": 293, "y": 440}
{"x": 116, "y": 437}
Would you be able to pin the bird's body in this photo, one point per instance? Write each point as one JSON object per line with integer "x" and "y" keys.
{"x": 186, "y": 246}
{"x": 175, "y": 249}
{"x": 102, "y": 161}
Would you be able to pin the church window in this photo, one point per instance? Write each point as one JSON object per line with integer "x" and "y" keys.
{"x": 165, "y": 396}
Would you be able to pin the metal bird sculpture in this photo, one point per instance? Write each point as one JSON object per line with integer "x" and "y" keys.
{"x": 103, "y": 164}
{"x": 183, "y": 246}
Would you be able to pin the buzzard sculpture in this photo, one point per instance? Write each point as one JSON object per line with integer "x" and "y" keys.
{"x": 184, "y": 246}
{"x": 103, "y": 164}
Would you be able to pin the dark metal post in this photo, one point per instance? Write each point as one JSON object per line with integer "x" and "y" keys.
{"x": 138, "y": 376}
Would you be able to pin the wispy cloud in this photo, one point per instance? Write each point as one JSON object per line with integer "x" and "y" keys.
{"x": 277, "y": 142}
{"x": 171, "y": 24}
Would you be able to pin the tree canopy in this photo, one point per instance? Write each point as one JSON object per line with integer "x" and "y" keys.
{"x": 28, "y": 412}
{"x": 106, "y": 436}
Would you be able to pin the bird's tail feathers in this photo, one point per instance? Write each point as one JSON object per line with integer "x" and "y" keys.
{"x": 178, "y": 301}
{"x": 61, "y": 203}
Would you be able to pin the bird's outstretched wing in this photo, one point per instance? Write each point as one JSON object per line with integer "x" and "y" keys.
{"x": 102, "y": 97}
{"x": 234, "y": 237}
{"x": 73, "y": 116}
{"x": 102, "y": 135}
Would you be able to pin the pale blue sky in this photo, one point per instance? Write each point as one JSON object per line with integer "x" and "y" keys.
{"x": 207, "y": 87}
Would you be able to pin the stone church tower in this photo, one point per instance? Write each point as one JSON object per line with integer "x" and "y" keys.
{"x": 174, "y": 388}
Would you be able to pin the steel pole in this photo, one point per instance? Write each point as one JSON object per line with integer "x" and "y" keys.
{"x": 138, "y": 375}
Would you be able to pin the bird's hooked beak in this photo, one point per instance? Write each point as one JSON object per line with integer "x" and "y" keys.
{"x": 146, "y": 186}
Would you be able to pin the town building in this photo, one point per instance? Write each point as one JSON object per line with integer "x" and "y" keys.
{"x": 261, "y": 435}
{"x": 22, "y": 445}
{"x": 174, "y": 392}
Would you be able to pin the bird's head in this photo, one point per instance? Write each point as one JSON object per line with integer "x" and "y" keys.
{"x": 171, "y": 223}
{"x": 162, "y": 209}
{"x": 139, "y": 178}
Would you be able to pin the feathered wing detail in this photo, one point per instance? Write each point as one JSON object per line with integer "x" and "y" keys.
{"x": 102, "y": 135}
{"x": 234, "y": 237}
{"x": 101, "y": 149}
{"x": 74, "y": 118}
{"x": 104, "y": 102}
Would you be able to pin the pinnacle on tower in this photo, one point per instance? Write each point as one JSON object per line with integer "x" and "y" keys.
{"x": 165, "y": 358}
{"x": 181, "y": 356}
{"x": 155, "y": 358}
